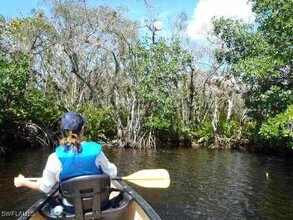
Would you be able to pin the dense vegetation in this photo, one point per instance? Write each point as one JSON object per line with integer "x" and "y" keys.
{"x": 261, "y": 57}
{"x": 145, "y": 91}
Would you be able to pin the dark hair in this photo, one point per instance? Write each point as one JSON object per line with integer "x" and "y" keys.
{"x": 71, "y": 139}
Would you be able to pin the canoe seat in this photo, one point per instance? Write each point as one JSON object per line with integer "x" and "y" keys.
{"x": 89, "y": 194}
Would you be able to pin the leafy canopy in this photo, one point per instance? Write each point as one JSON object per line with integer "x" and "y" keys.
{"x": 260, "y": 55}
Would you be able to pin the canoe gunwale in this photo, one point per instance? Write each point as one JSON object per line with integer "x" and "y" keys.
{"x": 39, "y": 204}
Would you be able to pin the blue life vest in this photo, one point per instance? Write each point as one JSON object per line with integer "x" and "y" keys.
{"x": 79, "y": 164}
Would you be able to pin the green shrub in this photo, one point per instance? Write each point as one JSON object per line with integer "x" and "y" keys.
{"x": 279, "y": 127}
{"x": 100, "y": 124}
{"x": 204, "y": 132}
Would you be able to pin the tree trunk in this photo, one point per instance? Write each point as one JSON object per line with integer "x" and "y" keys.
{"x": 230, "y": 106}
{"x": 215, "y": 120}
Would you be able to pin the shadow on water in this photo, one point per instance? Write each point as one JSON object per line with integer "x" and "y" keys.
{"x": 205, "y": 184}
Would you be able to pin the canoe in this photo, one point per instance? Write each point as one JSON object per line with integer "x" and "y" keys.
{"x": 130, "y": 206}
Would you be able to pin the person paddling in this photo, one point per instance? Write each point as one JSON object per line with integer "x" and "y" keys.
{"x": 72, "y": 158}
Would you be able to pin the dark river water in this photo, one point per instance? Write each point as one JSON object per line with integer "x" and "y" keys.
{"x": 205, "y": 184}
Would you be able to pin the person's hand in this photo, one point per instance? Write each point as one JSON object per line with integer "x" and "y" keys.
{"x": 18, "y": 181}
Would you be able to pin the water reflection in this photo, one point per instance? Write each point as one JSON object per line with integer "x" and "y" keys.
{"x": 30, "y": 163}
{"x": 212, "y": 184}
{"x": 205, "y": 184}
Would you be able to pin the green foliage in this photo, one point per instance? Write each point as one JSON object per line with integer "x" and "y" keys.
{"x": 142, "y": 87}
{"x": 168, "y": 126}
{"x": 37, "y": 108}
{"x": 14, "y": 75}
{"x": 261, "y": 56}
{"x": 100, "y": 124}
{"x": 157, "y": 71}
{"x": 158, "y": 123}
{"x": 279, "y": 127}
{"x": 228, "y": 128}
{"x": 205, "y": 133}
{"x": 21, "y": 104}
{"x": 276, "y": 24}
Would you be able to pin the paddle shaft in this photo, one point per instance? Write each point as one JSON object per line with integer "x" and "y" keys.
{"x": 146, "y": 174}
{"x": 149, "y": 178}
{"x": 37, "y": 178}
{"x": 114, "y": 178}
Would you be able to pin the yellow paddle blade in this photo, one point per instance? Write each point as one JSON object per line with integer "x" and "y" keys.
{"x": 148, "y": 174}
{"x": 158, "y": 183}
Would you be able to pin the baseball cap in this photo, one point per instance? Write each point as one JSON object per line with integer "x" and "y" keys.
{"x": 73, "y": 121}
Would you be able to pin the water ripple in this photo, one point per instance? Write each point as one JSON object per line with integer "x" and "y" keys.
{"x": 205, "y": 184}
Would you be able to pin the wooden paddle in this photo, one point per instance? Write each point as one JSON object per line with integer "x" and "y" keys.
{"x": 148, "y": 178}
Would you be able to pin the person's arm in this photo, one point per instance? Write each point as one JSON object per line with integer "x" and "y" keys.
{"x": 47, "y": 181}
{"x": 21, "y": 181}
{"x": 107, "y": 167}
